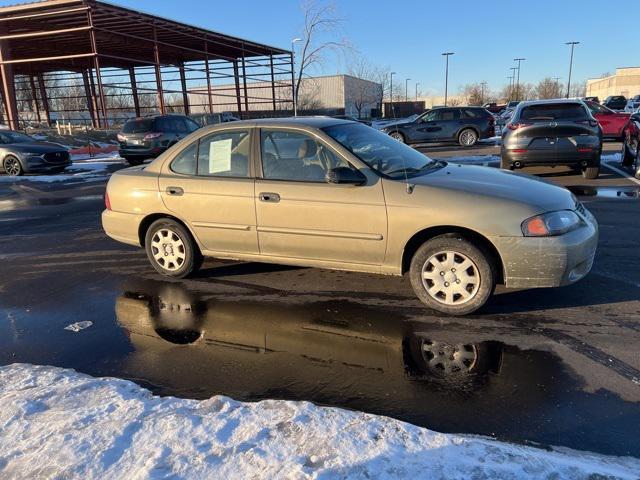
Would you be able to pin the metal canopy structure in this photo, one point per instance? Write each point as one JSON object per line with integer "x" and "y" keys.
{"x": 104, "y": 62}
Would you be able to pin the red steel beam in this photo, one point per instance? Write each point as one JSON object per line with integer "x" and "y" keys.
{"x": 156, "y": 56}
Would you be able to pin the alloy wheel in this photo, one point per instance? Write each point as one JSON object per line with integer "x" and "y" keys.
{"x": 168, "y": 249}
{"x": 12, "y": 167}
{"x": 397, "y": 136}
{"x": 467, "y": 138}
{"x": 446, "y": 359}
{"x": 450, "y": 278}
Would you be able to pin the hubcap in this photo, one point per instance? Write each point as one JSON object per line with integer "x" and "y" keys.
{"x": 12, "y": 167}
{"x": 450, "y": 278}
{"x": 168, "y": 249}
{"x": 446, "y": 359}
{"x": 397, "y": 137}
{"x": 468, "y": 138}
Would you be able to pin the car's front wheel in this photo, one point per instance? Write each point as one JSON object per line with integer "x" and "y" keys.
{"x": 467, "y": 137}
{"x": 451, "y": 275}
{"x": 171, "y": 249}
{"x": 398, "y": 136}
{"x": 627, "y": 156}
{"x": 12, "y": 166}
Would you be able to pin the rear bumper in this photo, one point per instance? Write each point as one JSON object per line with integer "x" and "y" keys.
{"x": 122, "y": 227}
{"x": 140, "y": 152}
{"x": 542, "y": 158}
{"x": 549, "y": 262}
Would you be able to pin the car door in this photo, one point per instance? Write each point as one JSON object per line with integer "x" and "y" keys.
{"x": 442, "y": 125}
{"x": 210, "y": 186}
{"x": 425, "y": 127}
{"x": 301, "y": 216}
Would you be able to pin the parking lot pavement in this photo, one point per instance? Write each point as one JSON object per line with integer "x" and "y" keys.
{"x": 558, "y": 366}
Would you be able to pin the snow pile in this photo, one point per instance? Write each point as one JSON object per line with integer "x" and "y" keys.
{"x": 85, "y": 171}
{"x": 56, "y": 423}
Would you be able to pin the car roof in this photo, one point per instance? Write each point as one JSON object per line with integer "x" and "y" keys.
{"x": 313, "y": 122}
{"x": 551, "y": 101}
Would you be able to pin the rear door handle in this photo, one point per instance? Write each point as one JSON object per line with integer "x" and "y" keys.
{"x": 176, "y": 191}
{"x": 269, "y": 197}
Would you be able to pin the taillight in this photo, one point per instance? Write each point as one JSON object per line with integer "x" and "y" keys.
{"x": 517, "y": 125}
{"x": 107, "y": 202}
{"x": 151, "y": 136}
{"x": 591, "y": 123}
{"x": 585, "y": 150}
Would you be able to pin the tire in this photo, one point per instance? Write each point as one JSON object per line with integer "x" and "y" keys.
{"x": 467, "y": 137}
{"x": 134, "y": 161}
{"x": 591, "y": 173}
{"x": 436, "y": 358}
{"x": 12, "y": 166}
{"x": 627, "y": 158}
{"x": 181, "y": 257}
{"x": 398, "y": 136}
{"x": 449, "y": 252}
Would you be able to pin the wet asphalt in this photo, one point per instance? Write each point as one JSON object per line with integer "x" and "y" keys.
{"x": 548, "y": 367}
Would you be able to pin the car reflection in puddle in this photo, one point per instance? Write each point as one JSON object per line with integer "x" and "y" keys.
{"x": 351, "y": 356}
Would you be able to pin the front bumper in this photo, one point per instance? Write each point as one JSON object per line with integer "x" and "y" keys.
{"x": 39, "y": 165}
{"x": 536, "y": 262}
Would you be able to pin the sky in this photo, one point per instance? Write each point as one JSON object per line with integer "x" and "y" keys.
{"x": 409, "y": 36}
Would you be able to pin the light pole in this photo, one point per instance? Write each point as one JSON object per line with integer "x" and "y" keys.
{"x": 446, "y": 75}
{"x": 293, "y": 67}
{"x": 573, "y": 44}
{"x": 417, "y": 84}
{"x": 557, "y": 79}
{"x": 391, "y": 93}
{"x": 513, "y": 82}
{"x": 482, "y": 85}
{"x": 510, "y": 78}
{"x": 518, "y": 80}
{"x": 406, "y": 89}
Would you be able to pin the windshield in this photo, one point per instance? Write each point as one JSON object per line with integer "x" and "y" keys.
{"x": 553, "y": 111}
{"x": 15, "y": 137}
{"x": 379, "y": 151}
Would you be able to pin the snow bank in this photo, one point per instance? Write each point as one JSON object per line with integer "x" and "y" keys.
{"x": 84, "y": 171}
{"x": 56, "y": 423}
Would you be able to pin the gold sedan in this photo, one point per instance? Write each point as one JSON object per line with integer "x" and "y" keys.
{"x": 336, "y": 194}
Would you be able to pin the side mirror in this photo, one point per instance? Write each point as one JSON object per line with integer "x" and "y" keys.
{"x": 345, "y": 175}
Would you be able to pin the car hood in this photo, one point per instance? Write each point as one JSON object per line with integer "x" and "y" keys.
{"x": 36, "y": 147}
{"x": 499, "y": 184}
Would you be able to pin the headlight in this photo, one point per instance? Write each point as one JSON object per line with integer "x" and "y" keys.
{"x": 550, "y": 224}
{"x": 34, "y": 154}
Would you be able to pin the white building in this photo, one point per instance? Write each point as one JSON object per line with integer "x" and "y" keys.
{"x": 333, "y": 93}
{"x": 626, "y": 81}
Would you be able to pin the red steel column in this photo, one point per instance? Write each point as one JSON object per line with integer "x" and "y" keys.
{"x": 273, "y": 83}
{"x": 183, "y": 84}
{"x": 156, "y": 57}
{"x": 206, "y": 66}
{"x": 96, "y": 65}
{"x": 34, "y": 95}
{"x": 134, "y": 90}
{"x": 244, "y": 82}
{"x": 44, "y": 99}
{"x": 237, "y": 79}
{"x": 90, "y": 99}
{"x": 8, "y": 85}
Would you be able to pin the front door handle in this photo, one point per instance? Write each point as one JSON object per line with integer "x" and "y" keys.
{"x": 269, "y": 197}
{"x": 175, "y": 191}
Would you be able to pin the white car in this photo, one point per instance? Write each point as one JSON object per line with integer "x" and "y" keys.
{"x": 632, "y": 104}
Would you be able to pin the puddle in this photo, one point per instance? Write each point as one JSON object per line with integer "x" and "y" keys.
{"x": 441, "y": 376}
{"x": 623, "y": 193}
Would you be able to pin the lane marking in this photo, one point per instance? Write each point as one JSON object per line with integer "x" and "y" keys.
{"x": 621, "y": 172}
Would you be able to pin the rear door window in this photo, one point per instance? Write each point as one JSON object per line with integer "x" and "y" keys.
{"x": 553, "y": 111}
{"x": 225, "y": 154}
{"x": 444, "y": 115}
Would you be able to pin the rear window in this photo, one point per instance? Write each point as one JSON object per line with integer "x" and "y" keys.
{"x": 553, "y": 111}
{"x": 138, "y": 126}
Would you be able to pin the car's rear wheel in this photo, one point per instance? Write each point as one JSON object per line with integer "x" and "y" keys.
{"x": 398, "y": 136}
{"x": 467, "y": 137}
{"x": 171, "y": 249}
{"x": 591, "y": 173}
{"x": 627, "y": 156}
{"x": 451, "y": 275}
{"x": 12, "y": 166}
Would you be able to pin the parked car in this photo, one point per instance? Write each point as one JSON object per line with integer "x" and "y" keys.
{"x": 632, "y": 104}
{"x": 20, "y": 154}
{"x": 592, "y": 99}
{"x": 513, "y": 104}
{"x": 494, "y": 107}
{"x": 380, "y": 124}
{"x": 148, "y": 137}
{"x": 615, "y": 102}
{"x": 204, "y": 119}
{"x": 464, "y": 125}
{"x": 612, "y": 123}
{"x": 322, "y": 192}
{"x": 631, "y": 144}
{"x": 553, "y": 132}
{"x": 353, "y": 119}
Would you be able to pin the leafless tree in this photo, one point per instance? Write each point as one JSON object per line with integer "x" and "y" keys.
{"x": 320, "y": 20}
{"x": 474, "y": 93}
{"x": 578, "y": 89}
{"x": 367, "y": 93}
{"x": 549, "y": 88}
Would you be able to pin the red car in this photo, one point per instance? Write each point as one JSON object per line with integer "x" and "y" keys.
{"x": 612, "y": 123}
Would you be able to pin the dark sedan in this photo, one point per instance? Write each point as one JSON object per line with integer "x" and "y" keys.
{"x": 464, "y": 125}
{"x": 553, "y": 132}
{"x": 20, "y": 153}
{"x": 631, "y": 144}
{"x": 615, "y": 102}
